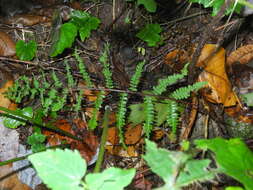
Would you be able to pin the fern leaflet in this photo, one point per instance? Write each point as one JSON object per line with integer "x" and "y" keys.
{"x": 98, "y": 103}
{"x": 149, "y": 115}
{"x": 173, "y": 116}
{"x": 164, "y": 83}
{"x": 121, "y": 115}
{"x": 185, "y": 92}
{"x": 135, "y": 79}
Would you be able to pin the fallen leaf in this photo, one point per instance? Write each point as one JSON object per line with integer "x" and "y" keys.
{"x": 26, "y": 19}
{"x": 242, "y": 55}
{"x": 12, "y": 182}
{"x": 215, "y": 74}
{"x": 176, "y": 59}
{"x": 6, "y": 81}
{"x": 87, "y": 148}
{"x": 7, "y": 45}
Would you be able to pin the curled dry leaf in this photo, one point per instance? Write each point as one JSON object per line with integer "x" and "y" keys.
{"x": 7, "y": 45}
{"x": 6, "y": 81}
{"x": 27, "y": 20}
{"x": 215, "y": 74}
{"x": 176, "y": 59}
{"x": 242, "y": 55}
{"x": 87, "y": 148}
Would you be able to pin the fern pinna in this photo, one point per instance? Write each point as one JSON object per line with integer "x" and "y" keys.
{"x": 122, "y": 105}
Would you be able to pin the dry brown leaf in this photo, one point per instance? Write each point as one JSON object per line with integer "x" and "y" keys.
{"x": 7, "y": 45}
{"x": 215, "y": 74}
{"x": 176, "y": 59}
{"x": 6, "y": 81}
{"x": 12, "y": 182}
{"x": 242, "y": 55}
{"x": 27, "y": 20}
{"x": 133, "y": 134}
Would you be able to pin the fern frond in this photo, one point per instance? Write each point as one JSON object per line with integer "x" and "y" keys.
{"x": 135, "y": 79}
{"x": 77, "y": 105}
{"x": 173, "y": 116}
{"x": 185, "y": 92}
{"x": 106, "y": 67}
{"x": 149, "y": 115}
{"x": 98, "y": 103}
{"x": 164, "y": 83}
{"x": 121, "y": 115}
{"x": 71, "y": 81}
{"x": 57, "y": 82}
{"x": 83, "y": 70}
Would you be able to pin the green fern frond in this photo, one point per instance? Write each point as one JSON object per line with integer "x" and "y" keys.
{"x": 173, "y": 116}
{"x": 106, "y": 66}
{"x": 135, "y": 79}
{"x": 164, "y": 83}
{"x": 121, "y": 115}
{"x": 83, "y": 70}
{"x": 77, "y": 105}
{"x": 185, "y": 92}
{"x": 98, "y": 103}
{"x": 70, "y": 78}
{"x": 57, "y": 82}
{"x": 149, "y": 115}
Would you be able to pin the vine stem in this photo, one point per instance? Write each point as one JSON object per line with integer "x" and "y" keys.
{"x": 24, "y": 157}
{"x": 103, "y": 139}
{"x": 21, "y": 117}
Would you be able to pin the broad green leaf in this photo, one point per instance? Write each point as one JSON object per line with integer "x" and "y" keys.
{"x": 162, "y": 113}
{"x": 85, "y": 23}
{"x": 14, "y": 123}
{"x": 193, "y": 171}
{"x": 26, "y": 51}
{"x": 150, "y": 5}
{"x": 150, "y": 34}
{"x": 92, "y": 23}
{"x": 233, "y": 157}
{"x": 163, "y": 162}
{"x": 68, "y": 32}
{"x": 36, "y": 141}
{"x": 60, "y": 169}
{"x": 111, "y": 178}
{"x": 234, "y": 188}
{"x": 217, "y": 4}
{"x": 136, "y": 115}
{"x": 248, "y": 98}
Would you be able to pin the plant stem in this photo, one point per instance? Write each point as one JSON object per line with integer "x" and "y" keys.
{"x": 24, "y": 157}
{"x": 103, "y": 139}
{"x": 18, "y": 116}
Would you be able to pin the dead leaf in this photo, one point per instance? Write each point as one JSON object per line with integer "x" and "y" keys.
{"x": 6, "y": 81}
{"x": 141, "y": 183}
{"x": 215, "y": 74}
{"x": 133, "y": 134}
{"x": 27, "y": 20}
{"x": 242, "y": 55}
{"x": 176, "y": 59}
{"x": 87, "y": 148}
{"x": 12, "y": 182}
{"x": 7, "y": 45}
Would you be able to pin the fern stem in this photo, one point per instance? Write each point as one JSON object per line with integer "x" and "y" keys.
{"x": 103, "y": 139}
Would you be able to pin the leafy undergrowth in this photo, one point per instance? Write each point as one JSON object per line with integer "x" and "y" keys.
{"x": 94, "y": 103}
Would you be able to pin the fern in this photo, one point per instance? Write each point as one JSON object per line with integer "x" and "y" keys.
{"x": 57, "y": 82}
{"x": 185, "y": 92}
{"x": 77, "y": 105}
{"x": 83, "y": 70}
{"x": 149, "y": 115}
{"x": 164, "y": 83}
{"x": 106, "y": 67}
{"x": 71, "y": 81}
{"x": 98, "y": 103}
{"x": 121, "y": 120}
{"x": 135, "y": 79}
{"x": 172, "y": 116}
